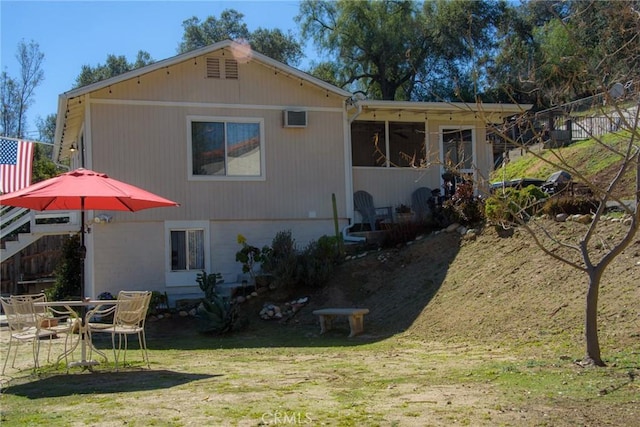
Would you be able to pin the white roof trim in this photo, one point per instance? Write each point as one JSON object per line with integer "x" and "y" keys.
{"x": 444, "y": 106}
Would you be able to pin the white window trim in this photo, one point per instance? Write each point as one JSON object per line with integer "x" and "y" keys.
{"x": 191, "y": 177}
{"x": 185, "y": 278}
{"x": 474, "y": 149}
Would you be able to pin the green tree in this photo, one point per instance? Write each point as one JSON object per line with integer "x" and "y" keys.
{"x": 273, "y": 43}
{"x": 10, "y": 105}
{"x": 549, "y": 49}
{"x": 609, "y": 34}
{"x": 114, "y": 66}
{"x": 277, "y": 45}
{"x": 16, "y": 93}
{"x": 43, "y": 166}
{"x": 396, "y": 50}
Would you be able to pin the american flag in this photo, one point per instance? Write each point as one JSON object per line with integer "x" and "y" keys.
{"x": 16, "y": 159}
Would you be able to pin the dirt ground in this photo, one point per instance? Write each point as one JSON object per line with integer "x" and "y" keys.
{"x": 497, "y": 286}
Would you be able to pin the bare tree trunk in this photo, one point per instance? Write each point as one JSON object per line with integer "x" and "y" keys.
{"x": 591, "y": 320}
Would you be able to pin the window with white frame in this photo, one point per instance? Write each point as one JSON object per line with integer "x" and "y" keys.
{"x": 187, "y": 249}
{"x": 226, "y": 147}
{"x": 387, "y": 144}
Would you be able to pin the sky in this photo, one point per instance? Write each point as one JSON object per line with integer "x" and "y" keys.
{"x": 76, "y": 33}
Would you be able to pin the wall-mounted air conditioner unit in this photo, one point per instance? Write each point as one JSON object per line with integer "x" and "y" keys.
{"x": 295, "y": 118}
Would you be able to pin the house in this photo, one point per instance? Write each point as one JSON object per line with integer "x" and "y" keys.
{"x": 249, "y": 146}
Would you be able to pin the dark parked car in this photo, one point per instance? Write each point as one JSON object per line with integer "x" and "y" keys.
{"x": 516, "y": 183}
{"x": 556, "y": 182}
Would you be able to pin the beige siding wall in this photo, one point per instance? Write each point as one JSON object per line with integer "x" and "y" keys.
{"x": 126, "y": 256}
{"x": 257, "y": 84}
{"x": 126, "y": 261}
{"x": 303, "y": 166}
{"x": 138, "y": 133}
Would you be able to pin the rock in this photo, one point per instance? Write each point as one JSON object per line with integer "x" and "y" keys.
{"x": 451, "y": 228}
{"x": 561, "y": 217}
{"x": 584, "y": 219}
{"x": 462, "y": 230}
{"x": 470, "y": 235}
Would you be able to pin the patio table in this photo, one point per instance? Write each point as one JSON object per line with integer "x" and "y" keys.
{"x": 83, "y": 328}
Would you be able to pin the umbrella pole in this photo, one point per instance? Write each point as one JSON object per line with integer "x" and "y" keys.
{"x": 83, "y": 249}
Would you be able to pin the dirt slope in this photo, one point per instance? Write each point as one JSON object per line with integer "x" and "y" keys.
{"x": 443, "y": 287}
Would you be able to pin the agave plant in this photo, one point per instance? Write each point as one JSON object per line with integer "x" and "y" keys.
{"x": 216, "y": 315}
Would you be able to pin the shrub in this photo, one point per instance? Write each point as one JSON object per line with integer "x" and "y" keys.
{"x": 68, "y": 272}
{"x": 463, "y": 207}
{"x": 250, "y": 255}
{"x": 512, "y": 204}
{"x": 318, "y": 261}
{"x": 281, "y": 261}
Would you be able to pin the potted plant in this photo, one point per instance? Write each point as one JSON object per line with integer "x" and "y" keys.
{"x": 403, "y": 213}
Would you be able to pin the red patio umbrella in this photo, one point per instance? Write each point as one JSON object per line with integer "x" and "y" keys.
{"x": 84, "y": 189}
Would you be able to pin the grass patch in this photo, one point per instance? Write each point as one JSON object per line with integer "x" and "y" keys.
{"x": 398, "y": 381}
{"x": 589, "y": 156}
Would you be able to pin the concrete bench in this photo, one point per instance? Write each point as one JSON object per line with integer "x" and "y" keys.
{"x": 356, "y": 318}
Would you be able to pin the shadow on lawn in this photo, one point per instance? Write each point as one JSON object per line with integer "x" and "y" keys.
{"x": 99, "y": 382}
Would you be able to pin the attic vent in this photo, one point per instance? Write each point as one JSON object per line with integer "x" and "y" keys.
{"x": 295, "y": 118}
{"x": 231, "y": 69}
{"x": 213, "y": 68}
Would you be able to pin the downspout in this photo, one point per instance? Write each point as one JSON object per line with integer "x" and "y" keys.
{"x": 345, "y": 231}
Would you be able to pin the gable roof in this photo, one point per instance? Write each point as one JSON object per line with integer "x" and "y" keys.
{"x": 71, "y": 114}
